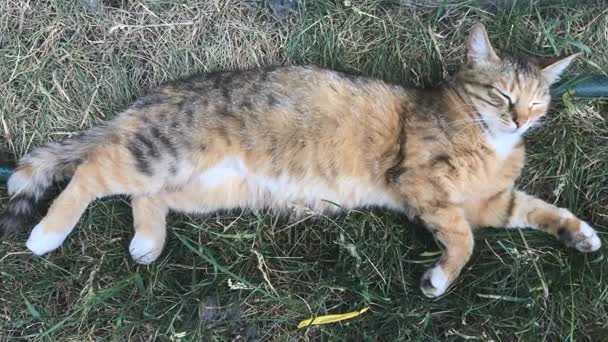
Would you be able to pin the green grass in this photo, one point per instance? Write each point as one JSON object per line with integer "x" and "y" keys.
{"x": 65, "y": 65}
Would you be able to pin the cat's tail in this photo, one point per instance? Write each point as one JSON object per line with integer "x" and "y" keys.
{"x": 38, "y": 171}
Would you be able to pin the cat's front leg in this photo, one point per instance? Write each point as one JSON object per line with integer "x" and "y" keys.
{"x": 149, "y": 222}
{"x": 451, "y": 228}
{"x": 516, "y": 209}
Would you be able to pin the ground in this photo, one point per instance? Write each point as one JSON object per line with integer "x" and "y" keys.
{"x": 65, "y": 65}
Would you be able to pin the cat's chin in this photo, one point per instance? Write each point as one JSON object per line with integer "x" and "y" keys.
{"x": 512, "y": 131}
{"x": 507, "y": 131}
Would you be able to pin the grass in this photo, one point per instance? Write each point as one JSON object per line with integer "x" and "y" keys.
{"x": 65, "y": 65}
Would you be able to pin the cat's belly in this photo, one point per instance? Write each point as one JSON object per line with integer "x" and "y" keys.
{"x": 230, "y": 184}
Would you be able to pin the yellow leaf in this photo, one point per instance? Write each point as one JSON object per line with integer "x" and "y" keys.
{"x": 330, "y": 318}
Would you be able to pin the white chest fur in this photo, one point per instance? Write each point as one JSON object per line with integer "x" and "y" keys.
{"x": 502, "y": 143}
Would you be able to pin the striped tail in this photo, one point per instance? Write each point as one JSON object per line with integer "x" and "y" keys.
{"x": 38, "y": 172}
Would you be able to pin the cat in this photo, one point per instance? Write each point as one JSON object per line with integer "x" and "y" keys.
{"x": 307, "y": 136}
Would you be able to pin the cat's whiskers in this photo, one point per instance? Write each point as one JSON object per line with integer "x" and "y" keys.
{"x": 463, "y": 122}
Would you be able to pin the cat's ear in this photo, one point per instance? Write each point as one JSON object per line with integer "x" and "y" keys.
{"x": 553, "y": 71}
{"x": 479, "y": 49}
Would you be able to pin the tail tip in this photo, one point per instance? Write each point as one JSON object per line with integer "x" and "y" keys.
{"x": 18, "y": 212}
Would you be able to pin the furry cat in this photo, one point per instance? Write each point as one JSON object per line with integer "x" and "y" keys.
{"x": 279, "y": 136}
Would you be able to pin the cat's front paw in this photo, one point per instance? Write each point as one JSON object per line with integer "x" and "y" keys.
{"x": 434, "y": 282}
{"x": 585, "y": 239}
{"x": 144, "y": 249}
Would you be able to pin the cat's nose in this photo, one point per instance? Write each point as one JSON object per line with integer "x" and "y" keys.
{"x": 519, "y": 121}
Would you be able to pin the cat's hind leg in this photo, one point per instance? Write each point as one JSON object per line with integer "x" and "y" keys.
{"x": 150, "y": 211}
{"x": 64, "y": 212}
{"x": 149, "y": 222}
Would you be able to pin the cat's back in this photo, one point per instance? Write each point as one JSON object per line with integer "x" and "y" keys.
{"x": 289, "y": 109}
{"x": 292, "y": 91}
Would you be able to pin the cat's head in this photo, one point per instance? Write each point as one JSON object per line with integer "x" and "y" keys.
{"x": 510, "y": 92}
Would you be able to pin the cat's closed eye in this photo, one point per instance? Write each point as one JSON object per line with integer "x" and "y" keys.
{"x": 505, "y": 95}
{"x": 535, "y": 104}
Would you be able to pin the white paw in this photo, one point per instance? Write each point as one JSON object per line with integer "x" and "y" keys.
{"x": 589, "y": 241}
{"x": 16, "y": 182}
{"x": 434, "y": 282}
{"x": 144, "y": 250}
{"x": 41, "y": 242}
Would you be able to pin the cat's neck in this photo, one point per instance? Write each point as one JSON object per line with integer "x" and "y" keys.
{"x": 503, "y": 143}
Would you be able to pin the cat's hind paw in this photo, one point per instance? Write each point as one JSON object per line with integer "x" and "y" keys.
{"x": 434, "y": 282}
{"x": 145, "y": 250}
{"x": 42, "y": 241}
